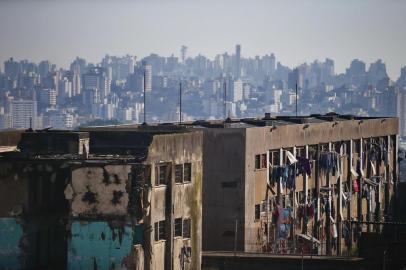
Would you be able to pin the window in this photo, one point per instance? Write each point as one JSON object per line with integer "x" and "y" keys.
{"x": 178, "y": 226}
{"x": 161, "y": 175}
{"x": 260, "y": 161}
{"x": 187, "y": 172}
{"x": 257, "y": 161}
{"x": 230, "y": 184}
{"x": 263, "y": 161}
{"x": 160, "y": 230}
{"x": 179, "y": 173}
{"x": 300, "y": 152}
{"x": 186, "y": 227}
{"x": 275, "y": 158}
{"x": 257, "y": 211}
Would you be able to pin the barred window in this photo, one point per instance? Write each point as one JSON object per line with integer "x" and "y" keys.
{"x": 186, "y": 227}
{"x": 160, "y": 230}
{"x": 178, "y": 226}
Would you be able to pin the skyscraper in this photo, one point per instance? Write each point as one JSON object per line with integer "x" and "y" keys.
{"x": 148, "y": 77}
{"x": 24, "y": 113}
{"x": 237, "y": 73}
{"x": 183, "y": 51}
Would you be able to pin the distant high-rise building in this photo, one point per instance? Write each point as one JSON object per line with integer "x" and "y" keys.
{"x": 237, "y": 73}
{"x": 294, "y": 78}
{"x": 376, "y": 72}
{"x": 237, "y": 93}
{"x": 401, "y": 112}
{"x": 79, "y": 65}
{"x": 47, "y": 97}
{"x": 183, "y": 51}
{"x": 24, "y": 113}
{"x": 97, "y": 80}
{"x": 44, "y": 68}
{"x": 12, "y": 68}
{"x": 401, "y": 82}
{"x": 148, "y": 77}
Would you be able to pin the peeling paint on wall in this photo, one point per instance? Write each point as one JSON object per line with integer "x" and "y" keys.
{"x": 99, "y": 190}
{"x": 11, "y": 233}
{"x": 96, "y": 245}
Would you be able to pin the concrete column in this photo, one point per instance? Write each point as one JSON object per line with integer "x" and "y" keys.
{"x": 349, "y": 208}
{"x": 340, "y": 201}
{"x": 294, "y": 205}
{"x": 317, "y": 179}
{"x": 268, "y": 207}
{"x": 305, "y": 189}
{"x": 169, "y": 219}
{"x": 359, "y": 208}
{"x": 328, "y": 215}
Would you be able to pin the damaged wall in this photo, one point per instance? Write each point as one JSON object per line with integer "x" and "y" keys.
{"x": 100, "y": 245}
{"x": 11, "y": 233}
{"x": 99, "y": 190}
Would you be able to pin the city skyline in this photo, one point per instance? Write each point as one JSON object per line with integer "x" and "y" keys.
{"x": 297, "y": 32}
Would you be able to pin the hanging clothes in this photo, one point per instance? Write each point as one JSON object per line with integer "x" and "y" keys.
{"x": 355, "y": 186}
{"x": 304, "y": 165}
{"x": 329, "y": 162}
{"x": 291, "y": 178}
{"x": 291, "y": 157}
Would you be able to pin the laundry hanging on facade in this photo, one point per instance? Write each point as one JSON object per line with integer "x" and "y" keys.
{"x": 304, "y": 165}
{"x": 287, "y": 174}
{"x": 329, "y": 162}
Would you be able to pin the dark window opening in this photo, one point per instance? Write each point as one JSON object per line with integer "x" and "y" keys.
{"x": 257, "y": 161}
{"x": 229, "y": 233}
{"x": 257, "y": 211}
{"x": 160, "y": 230}
{"x": 178, "y": 226}
{"x": 231, "y": 184}
{"x": 187, "y": 172}
{"x": 186, "y": 228}
{"x": 264, "y": 161}
{"x": 161, "y": 175}
{"x": 179, "y": 173}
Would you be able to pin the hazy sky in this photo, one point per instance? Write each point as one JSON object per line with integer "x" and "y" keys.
{"x": 296, "y": 31}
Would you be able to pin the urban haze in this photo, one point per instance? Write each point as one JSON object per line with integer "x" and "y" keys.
{"x": 202, "y": 135}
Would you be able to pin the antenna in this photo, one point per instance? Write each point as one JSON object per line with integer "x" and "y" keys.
{"x": 145, "y": 84}
{"x": 225, "y": 99}
{"x": 296, "y": 99}
{"x": 180, "y": 103}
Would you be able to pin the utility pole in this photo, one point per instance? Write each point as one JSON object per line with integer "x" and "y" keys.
{"x": 296, "y": 99}
{"x": 180, "y": 103}
{"x": 145, "y": 84}
{"x": 225, "y": 99}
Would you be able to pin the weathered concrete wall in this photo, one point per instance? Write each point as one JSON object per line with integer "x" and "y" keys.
{"x": 247, "y": 261}
{"x": 259, "y": 140}
{"x": 99, "y": 245}
{"x": 223, "y": 188}
{"x": 32, "y": 196}
{"x": 11, "y": 233}
{"x": 99, "y": 190}
{"x": 47, "y": 143}
{"x": 185, "y": 198}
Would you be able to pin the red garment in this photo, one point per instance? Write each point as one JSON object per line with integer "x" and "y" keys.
{"x": 310, "y": 210}
{"x": 355, "y": 186}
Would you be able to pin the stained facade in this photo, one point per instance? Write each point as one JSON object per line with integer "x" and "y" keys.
{"x": 102, "y": 200}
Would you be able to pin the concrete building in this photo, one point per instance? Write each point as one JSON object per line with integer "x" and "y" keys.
{"x": 100, "y": 199}
{"x": 250, "y": 204}
{"x": 23, "y": 113}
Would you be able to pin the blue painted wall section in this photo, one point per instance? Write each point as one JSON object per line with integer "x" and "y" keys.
{"x": 11, "y": 233}
{"x": 95, "y": 245}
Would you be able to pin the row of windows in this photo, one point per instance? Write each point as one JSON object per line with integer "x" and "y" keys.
{"x": 183, "y": 173}
{"x": 274, "y": 157}
{"x": 182, "y": 228}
